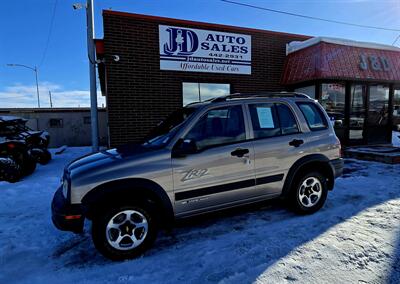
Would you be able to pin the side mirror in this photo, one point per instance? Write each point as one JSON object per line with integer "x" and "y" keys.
{"x": 184, "y": 147}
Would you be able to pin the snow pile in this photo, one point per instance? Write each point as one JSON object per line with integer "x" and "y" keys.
{"x": 355, "y": 238}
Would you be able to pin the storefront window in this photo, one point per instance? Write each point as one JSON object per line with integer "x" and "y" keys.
{"x": 396, "y": 110}
{"x": 199, "y": 92}
{"x": 309, "y": 91}
{"x": 333, "y": 101}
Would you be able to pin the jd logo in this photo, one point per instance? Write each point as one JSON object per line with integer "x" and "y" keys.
{"x": 194, "y": 173}
{"x": 181, "y": 42}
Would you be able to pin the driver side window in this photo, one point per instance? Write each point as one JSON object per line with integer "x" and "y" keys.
{"x": 219, "y": 126}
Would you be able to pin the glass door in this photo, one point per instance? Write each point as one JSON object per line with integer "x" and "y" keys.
{"x": 396, "y": 109}
{"x": 357, "y": 127}
{"x": 378, "y": 115}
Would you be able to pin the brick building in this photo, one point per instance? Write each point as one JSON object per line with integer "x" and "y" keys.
{"x": 153, "y": 65}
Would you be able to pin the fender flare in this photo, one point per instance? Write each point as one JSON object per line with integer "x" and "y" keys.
{"x": 130, "y": 187}
{"x": 302, "y": 163}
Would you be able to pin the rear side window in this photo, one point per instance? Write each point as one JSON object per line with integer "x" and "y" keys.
{"x": 271, "y": 120}
{"x": 287, "y": 120}
{"x": 314, "y": 116}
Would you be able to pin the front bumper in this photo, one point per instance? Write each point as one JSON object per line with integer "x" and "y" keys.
{"x": 65, "y": 216}
{"x": 337, "y": 165}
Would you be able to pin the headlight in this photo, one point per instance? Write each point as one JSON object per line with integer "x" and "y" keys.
{"x": 65, "y": 188}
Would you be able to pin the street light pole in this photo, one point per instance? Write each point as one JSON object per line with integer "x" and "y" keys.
{"x": 34, "y": 69}
{"x": 92, "y": 74}
{"x": 37, "y": 87}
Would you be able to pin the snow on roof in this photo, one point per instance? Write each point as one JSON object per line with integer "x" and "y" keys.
{"x": 298, "y": 45}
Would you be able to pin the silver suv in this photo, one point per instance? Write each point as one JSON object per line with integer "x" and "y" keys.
{"x": 207, "y": 156}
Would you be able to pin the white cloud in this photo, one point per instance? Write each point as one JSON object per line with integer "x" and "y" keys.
{"x": 19, "y": 96}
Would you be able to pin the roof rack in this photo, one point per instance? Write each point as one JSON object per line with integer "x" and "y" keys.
{"x": 260, "y": 95}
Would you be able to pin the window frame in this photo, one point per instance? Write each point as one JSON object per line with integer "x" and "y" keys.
{"x": 203, "y": 113}
{"x": 274, "y": 103}
{"x": 325, "y": 121}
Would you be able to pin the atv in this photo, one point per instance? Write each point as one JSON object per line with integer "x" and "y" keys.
{"x": 16, "y": 160}
{"x": 15, "y": 129}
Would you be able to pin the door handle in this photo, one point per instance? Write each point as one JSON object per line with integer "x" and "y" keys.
{"x": 240, "y": 152}
{"x": 296, "y": 142}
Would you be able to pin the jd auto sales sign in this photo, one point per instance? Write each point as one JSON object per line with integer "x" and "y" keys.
{"x": 193, "y": 50}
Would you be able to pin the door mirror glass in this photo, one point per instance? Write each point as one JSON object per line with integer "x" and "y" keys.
{"x": 184, "y": 147}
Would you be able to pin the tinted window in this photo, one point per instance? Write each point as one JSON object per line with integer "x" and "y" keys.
{"x": 270, "y": 120}
{"x": 219, "y": 126}
{"x": 264, "y": 120}
{"x": 287, "y": 120}
{"x": 313, "y": 116}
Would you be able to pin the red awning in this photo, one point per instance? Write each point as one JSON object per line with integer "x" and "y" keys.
{"x": 326, "y": 60}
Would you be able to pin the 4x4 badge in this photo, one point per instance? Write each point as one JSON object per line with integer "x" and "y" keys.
{"x": 194, "y": 173}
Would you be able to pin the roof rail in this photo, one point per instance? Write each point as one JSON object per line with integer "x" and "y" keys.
{"x": 259, "y": 95}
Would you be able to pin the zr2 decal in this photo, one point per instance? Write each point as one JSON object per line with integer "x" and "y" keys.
{"x": 194, "y": 173}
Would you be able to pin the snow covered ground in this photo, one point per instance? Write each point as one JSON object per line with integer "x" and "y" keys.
{"x": 396, "y": 138}
{"x": 355, "y": 238}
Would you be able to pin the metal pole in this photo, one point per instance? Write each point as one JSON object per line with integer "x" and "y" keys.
{"x": 37, "y": 86}
{"x": 51, "y": 102}
{"x": 198, "y": 86}
{"x": 92, "y": 74}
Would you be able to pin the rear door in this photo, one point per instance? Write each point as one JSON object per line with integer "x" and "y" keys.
{"x": 221, "y": 172}
{"x": 278, "y": 143}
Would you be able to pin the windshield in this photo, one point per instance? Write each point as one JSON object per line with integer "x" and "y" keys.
{"x": 167, "y": 128}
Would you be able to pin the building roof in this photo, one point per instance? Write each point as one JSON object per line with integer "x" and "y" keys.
{"x": 46, "y": 110}
{"x": 298, "y": 45}
{"x": 328, "y": 58}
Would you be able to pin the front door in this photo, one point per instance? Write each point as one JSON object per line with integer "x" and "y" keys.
{"x": 221, "y": 171}
{"x": 357, "y": 125}
{"x": 369, "y": 114}
{"x": 379, "y": 129}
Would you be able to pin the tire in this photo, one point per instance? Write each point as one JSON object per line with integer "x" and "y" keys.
{"x": 42, "y": 156}
{"x": 28, "y": 164}
{"x": 309, "y": 193}
{"x": 9, "y": 170}
{"x": 25, "y": 161}
{"x": 45, "y": 158}
{"x": 112, "y": 233}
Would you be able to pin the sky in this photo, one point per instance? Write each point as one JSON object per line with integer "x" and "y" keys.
{"x": 63, "y": 65}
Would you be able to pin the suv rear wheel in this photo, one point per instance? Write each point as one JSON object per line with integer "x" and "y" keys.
{"x": 309, "y": 193}
{"x": 124, "y": 232}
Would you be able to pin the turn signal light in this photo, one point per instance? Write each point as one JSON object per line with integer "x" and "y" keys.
{"x": 72, "y": 217}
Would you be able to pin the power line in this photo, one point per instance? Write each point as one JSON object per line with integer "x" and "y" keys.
{"x": 310, "y": 17}
{"x": 49, "y": 34}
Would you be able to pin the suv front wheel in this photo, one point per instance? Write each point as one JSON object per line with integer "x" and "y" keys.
{"x": 309, "y": 193}
{"x": 124, "y": 232}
